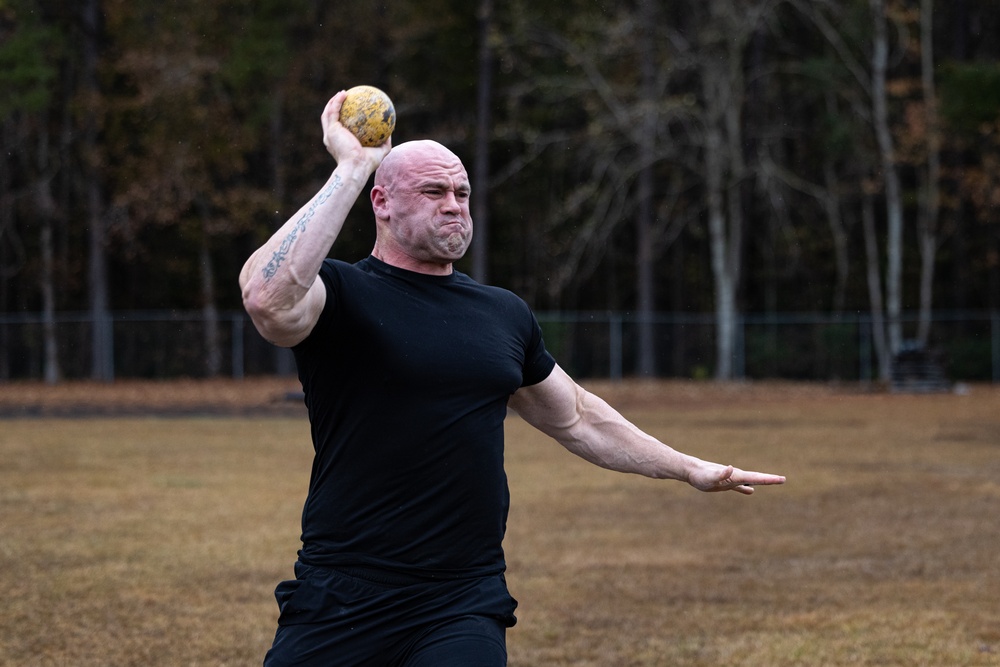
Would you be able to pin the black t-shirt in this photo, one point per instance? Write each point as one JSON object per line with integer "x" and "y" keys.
{"x": 406, "y": 379}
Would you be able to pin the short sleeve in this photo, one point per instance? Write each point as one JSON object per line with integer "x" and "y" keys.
{"x": 538, "y": 363}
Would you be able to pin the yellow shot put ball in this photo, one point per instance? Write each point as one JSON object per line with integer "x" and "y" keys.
{"x": 369, "y": 114}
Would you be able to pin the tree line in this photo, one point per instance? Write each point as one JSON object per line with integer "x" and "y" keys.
{"x": 723, "y": 156}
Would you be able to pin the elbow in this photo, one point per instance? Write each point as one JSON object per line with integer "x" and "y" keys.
{"x": 281, "y": 322}
{"x": 253, "y": 303}
{"x": 262, "y": 303}
{"x": 265, "y": 316}
{"x": 250, "y": 289}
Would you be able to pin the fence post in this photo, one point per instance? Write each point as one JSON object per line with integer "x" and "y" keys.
{"x": 103, "y": 346}
{"x": 740, "y": 349}
{"x": 995, "y": 329}
{"x": 237, "y": 347}
{"x": 864, "y": 350}
{"x": 615, "y": 346}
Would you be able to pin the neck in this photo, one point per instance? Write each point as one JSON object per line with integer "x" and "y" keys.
{"x": 410, "y": 263}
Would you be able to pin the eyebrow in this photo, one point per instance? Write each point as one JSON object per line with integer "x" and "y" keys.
{"x": 444, "y": 185}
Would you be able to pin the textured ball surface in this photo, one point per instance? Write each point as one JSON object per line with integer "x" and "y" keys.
{"x": 369, "y": 114}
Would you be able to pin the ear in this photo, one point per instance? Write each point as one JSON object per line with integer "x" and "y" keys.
{"x": 380, "y": 202}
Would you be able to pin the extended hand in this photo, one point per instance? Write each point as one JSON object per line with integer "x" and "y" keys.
{"x": 714, "y": 477}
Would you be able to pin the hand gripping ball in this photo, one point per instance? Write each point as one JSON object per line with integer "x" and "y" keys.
{"x": 369, "y": 114}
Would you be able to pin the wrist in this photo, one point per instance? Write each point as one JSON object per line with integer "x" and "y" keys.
{"x": 691, "y": 467}
{"x": 354, "y": 170}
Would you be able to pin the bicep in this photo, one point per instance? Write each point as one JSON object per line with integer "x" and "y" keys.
{"x": 553, "y": 405}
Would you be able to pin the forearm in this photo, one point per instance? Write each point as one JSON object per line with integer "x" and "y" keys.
{"x": 601, "y": 435}
{"x": 279, "y": 275}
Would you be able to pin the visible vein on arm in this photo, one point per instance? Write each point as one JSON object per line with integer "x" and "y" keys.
{"x": 281, "y": 253}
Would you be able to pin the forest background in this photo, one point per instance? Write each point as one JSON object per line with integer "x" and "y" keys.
{"x": 718, "y": 157}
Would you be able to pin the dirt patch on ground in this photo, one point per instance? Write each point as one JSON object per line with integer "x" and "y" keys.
{"x": 283, "y": 395}
{"x": 257, "y": 396}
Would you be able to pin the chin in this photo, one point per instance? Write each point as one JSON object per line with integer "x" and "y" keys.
{"x": 456, "y": 246}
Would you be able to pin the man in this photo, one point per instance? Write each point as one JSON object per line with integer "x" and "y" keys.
{"x": 408, "y": 369}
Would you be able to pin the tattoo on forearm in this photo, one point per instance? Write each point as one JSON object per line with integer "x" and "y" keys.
{"x": 286, "y": 244}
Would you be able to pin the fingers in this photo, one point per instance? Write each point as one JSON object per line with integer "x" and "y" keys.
{"x": 729, "y": 480}
{"x": 743, "y": 481}
{"x": 331, "y": 113}
{"x": 759, "y": 478}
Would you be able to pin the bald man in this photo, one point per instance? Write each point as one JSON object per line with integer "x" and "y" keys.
{"x": 408, "y": 368}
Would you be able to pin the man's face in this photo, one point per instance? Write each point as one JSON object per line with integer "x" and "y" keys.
{"x": 425, "y": 207}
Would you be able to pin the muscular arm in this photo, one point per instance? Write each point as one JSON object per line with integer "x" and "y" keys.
{"x": 593, "y": 430}
{"x": 281, "y": 288}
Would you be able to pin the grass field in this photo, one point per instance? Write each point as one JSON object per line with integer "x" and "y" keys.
{"x": 138, "y": 540}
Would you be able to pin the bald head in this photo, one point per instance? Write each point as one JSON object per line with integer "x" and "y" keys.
{"x": 410, "y": 156}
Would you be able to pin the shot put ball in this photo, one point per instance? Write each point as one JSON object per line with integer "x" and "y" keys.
{"x": 369, "y": 114}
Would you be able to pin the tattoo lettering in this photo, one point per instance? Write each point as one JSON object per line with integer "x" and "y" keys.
{"x": 286, "y": 244}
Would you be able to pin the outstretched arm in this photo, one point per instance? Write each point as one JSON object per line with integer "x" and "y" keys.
{"x": 593, "y": 430}
{"x": 282, "y": 291}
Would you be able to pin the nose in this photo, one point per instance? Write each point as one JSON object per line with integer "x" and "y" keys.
{"x": 450, "y": 203}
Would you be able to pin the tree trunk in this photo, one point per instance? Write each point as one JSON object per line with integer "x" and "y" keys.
{"x": 645, "y": 281}
{"x": 52, "y": 370}
{"x": 284, "y": 361}
{"x": 931, "y": 196}
{"x": 102, "y": 345}
{"x": 832, "y": 208}
{"x": 678, "y": 341}
{"x": 724, "y": 215}
{"x": 6, "y": 227}
{"x": 893, "y": 191}
{"x": 46, "y": 208}
{"x": 875, "y": 289}
{"x": 210, "y": 312}
{"x": 725, "y": 287}
{"x": 736, "y": 170}
{"x": 481, "y": 159}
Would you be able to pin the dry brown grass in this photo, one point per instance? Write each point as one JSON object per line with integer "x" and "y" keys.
{"x": 158, "y": 540}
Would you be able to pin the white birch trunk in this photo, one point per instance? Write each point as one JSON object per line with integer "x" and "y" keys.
{"x": 882, "y": 355}
{"x": 931, "y": 195}
{"x": 890, "y": 176}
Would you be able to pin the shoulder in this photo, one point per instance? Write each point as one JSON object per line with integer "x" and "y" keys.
{"x": 340, "y": 267}
{"x": 336, "y": 272}
{"x": 498, "y": 294}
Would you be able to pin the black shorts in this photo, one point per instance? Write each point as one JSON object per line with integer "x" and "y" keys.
{"x": 346, "y": 617}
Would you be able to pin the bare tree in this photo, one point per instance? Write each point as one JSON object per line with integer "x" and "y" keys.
{"x": 875, "y": 288}
{"x": 46, "y": 207}
{"x": 930, "y": 199}
{"x": 890, "y": 176}
{"x": 102, "y": 346}
{"x": 12, "y": 255}
{"x": 870, "y": 102}
{"x": 644, "y": 252}
{"x": 481, "y": 160}
{"x": 725, "y": 34}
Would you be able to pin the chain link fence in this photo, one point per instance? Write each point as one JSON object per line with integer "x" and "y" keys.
{"x": 805, "y": 346}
